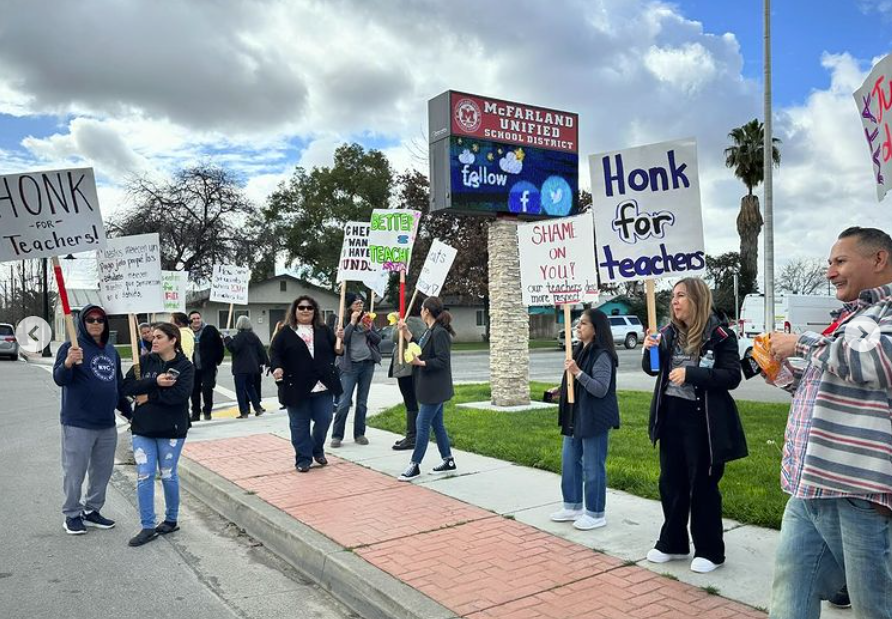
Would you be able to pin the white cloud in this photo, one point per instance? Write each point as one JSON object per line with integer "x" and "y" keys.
{"x": 689, "y": 67}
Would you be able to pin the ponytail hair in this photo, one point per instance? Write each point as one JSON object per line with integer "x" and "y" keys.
{"x": 441, "y": 317}
{"x": 172, "y": 333}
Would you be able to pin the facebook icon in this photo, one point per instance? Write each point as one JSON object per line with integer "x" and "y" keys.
{"x": 523, "y": 198}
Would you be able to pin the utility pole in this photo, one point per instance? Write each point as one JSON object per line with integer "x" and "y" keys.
{"x": 768, "y": 160}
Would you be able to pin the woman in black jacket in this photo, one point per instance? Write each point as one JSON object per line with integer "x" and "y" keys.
{"x": 697, "y": 423}
{"x": 248, "y": 355}
{"x": 162, "y": 389}
{"x": 433, "y": 385}
{"x": 585, "y": 423}
{"x": 303, "y": 356}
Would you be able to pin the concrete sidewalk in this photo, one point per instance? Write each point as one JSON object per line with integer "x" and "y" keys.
{"x": 477, "y": 543}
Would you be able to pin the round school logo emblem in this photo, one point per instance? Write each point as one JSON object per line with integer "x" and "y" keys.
{"x": 103, "y": 368}
{"x": 467, "y": 115}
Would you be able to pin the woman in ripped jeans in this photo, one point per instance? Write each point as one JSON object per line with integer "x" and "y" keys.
{"x": 159, "y": 425}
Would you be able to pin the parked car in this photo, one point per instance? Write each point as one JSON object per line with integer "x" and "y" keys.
{"x": 626, "y": 330}
{"x": 386, "y": 345}
{"x": 9, "y": 347}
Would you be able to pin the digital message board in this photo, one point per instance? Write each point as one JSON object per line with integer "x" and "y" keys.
{"x": 490, "y": 156}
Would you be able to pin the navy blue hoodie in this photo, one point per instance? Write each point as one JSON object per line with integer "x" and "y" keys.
{"x": 91, "y": 391}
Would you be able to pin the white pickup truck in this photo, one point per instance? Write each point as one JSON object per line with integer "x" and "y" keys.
{"x": 793, "y": 313}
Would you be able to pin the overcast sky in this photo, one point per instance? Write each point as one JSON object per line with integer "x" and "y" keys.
{"x": 260, "y": 86}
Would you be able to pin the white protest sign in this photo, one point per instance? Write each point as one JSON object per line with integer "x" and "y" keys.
{"x": 874, "y": 99}
{"x": 130, "y": 275}
{"x": 557, "y": 261}
{"x": 377, "y": 281}
{"x": 354, "y": 264}
{"x": 174, "y": 285}
{"x": 436, "y": 268}
{"x": 646, "y": 202}
{"x": 47, "y": 214}
{"x": 391, "y": 238}
{"x": 229, "y": 284}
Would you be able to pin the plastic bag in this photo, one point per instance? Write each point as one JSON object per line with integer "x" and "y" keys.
{"x": 775, "y": 371}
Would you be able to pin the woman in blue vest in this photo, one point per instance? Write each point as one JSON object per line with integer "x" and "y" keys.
{"x": 586, "y": 423}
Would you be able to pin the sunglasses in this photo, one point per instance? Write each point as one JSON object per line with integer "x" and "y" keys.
{"x": 93, "y": 321}
{"x": 306, "y": 308}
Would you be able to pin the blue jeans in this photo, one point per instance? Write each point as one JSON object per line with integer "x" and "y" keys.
{"x": 308, "y": 444}
{"x": 430, "y": 416}
{"x": 359, "y": 378}
{"x": 825, "y": 543}
{"x": 584, "y": 463}
{"x": 245, "y": 393}
{"x": 152, "y": 454}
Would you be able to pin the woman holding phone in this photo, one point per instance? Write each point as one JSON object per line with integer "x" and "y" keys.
{"x": 159, "y": 424}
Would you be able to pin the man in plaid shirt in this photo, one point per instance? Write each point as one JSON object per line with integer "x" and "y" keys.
{"x": 837, "y": 463}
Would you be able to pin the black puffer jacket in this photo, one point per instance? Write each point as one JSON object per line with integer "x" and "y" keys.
{"x": 166, "y": 414}
{"x": 712, "y": 385}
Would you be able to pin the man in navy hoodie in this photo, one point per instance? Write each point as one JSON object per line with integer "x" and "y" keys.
{"x": 91, "y": 379}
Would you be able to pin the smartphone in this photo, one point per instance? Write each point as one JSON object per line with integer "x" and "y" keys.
{"x": 173, "y": 373}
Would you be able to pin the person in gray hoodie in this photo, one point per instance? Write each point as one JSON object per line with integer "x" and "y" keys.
{"x": 91, "y": 381}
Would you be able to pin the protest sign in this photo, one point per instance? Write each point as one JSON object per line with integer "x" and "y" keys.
{"x": 436, "y": 268}
{"x": 874, "y": 99}
{"x": 377, "y": 281}
{"x": 557, "y": 261}
{"x": 47, "y": 214}
{"x": 130, "y": 275}
{"x": 646, "y": 202}
{"x": 391, "y": 237}
{"x": 355, "y": 264}
{"x": 174, "y": 285}
{"x": 229, "y": 284}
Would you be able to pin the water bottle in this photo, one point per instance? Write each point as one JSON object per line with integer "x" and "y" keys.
{"x": 708, "y": 360}
{"x": 654, "y": 355}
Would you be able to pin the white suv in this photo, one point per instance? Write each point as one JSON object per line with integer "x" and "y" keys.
{"x": 626, "y": 330}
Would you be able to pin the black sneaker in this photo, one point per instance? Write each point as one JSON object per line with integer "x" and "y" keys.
{"x": 74, "y": 526}
{"x": 411, "y": 472}
{"x": 143, "y": 537}
{"x": 195, "y": 417}
{"x": 841, "y": 598}
{"x": 259, "y": 411}
{"x": 446, "y": 466}
{"x": 207, "y": 416}
{"x": 303, "y": 468}
{"x": 95, "y": 519}
{"x": 321, "y": 460}
{"x": 166, "y": 527}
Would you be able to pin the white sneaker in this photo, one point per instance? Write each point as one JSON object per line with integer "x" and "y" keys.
{"x": 656, "y": 556}
{"x": 587, "y": 523}
{"x": 566, "y": 515}
{"x": 703, "y": 566}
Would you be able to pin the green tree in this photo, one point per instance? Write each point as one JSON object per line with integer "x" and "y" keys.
{"x": 720, "y": 272}
{"x": 746, "y": 156}
{"x": 308, "y": 212}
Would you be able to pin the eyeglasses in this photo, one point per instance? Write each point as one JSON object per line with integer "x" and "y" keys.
{"x": 306, "y": 308}
{"x": 94, "y": 321}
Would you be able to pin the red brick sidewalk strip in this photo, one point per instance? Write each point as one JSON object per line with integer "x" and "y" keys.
{"x": 477, "y": 564}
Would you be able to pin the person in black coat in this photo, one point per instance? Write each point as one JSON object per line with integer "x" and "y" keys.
{"x": 162, "y": 386}
{"x": 207, "y": 357}
{"x": 586, "y": 423}
{"x": 302, "y": 359}
{"x": 248, "y": 356}
{"x": 695, "y": 419}
{"x": 433, "y": 385}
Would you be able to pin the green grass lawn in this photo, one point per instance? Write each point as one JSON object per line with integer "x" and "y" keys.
{"x": 750, "y": 486}
{"x": 534, "y": 344}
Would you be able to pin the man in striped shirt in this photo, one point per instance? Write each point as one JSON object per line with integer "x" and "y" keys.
{"x": 837, "y": 463}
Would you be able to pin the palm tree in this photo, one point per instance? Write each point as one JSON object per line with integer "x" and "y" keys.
{"x": 746, "y": 156}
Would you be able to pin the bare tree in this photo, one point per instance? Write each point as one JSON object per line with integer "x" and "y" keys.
{"x": 202, "y": 216}
{"x": 802, "y": 276}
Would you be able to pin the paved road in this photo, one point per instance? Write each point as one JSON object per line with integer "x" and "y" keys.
{"x": 545, "y": 365}
{"x": 209, "y": 569}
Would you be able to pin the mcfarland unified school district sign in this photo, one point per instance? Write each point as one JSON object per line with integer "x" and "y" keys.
{"x": 489, "y": 156}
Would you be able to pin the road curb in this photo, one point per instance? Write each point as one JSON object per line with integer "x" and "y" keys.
{"x": 362, "y": 587}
